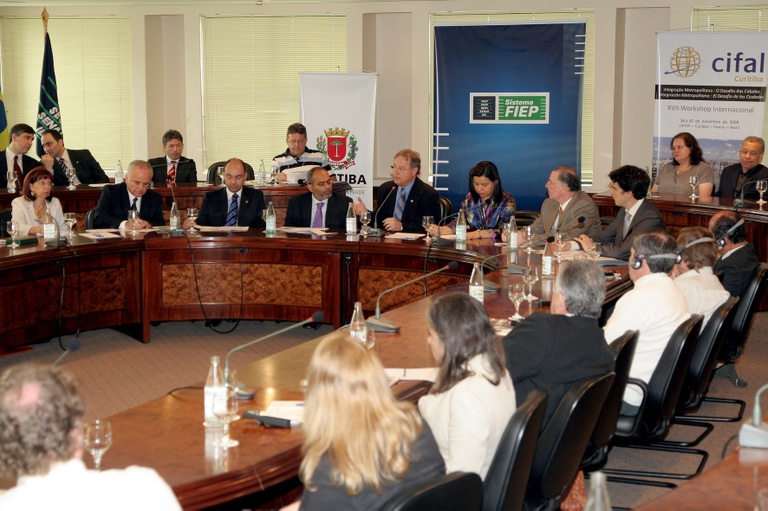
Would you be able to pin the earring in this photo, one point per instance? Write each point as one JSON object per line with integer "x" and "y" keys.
{"x": 32, "y": 193}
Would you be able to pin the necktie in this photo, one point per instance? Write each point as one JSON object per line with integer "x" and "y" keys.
{"x": 400, "y": 206}
{"x": 232, "y": 213}
{"x": 559, "y": 222}
{"x": 171, "y": 179}
{"x": 16, "y": 172}
{"x": 627, "y": 223}
{"x": 133, "y": 204}
{"x": 318, "y": 220}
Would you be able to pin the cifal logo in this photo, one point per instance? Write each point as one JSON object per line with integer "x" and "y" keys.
{"x": 739, "y": 63}
{"x": 684, "y": 62}
{"x": 339, "y": 146}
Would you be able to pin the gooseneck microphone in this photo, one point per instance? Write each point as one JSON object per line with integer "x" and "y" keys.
{"x": 243, "y": 391}
{"x": 489, "y": 286}
{"x": 380, "y": 324}
{"x": 754, "y": 432}
{"x": 376, "y": 232}
{"x": 577, "y": 225}
{"x": 73, "y": 345}
{"x": 739, "y": 203}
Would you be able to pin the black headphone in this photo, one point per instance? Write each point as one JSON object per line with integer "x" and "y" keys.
{"x": 721, "y": 240}
{"x": 637, "y": 262}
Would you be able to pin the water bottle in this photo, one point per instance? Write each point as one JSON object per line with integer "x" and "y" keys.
{"x": 262, "y": 177}
{"x": 214, "y": 392}
{"x": 461, "y": 227}
{"x": 357, "y": 323}
{"x": 49, "y": 229}
{"x": 548, "y": 262}
{"x": 175, "y": 218}
{"x": 476, "y": 285}
{"x": 597, "y": 496}
{"x": 351, "y": 220}
{"x": 512, "y": 242}
{"x": 119, "y": 176}
{"x": 271, "y": 219}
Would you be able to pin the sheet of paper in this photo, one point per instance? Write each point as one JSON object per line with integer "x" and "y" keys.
{"x": 290, "y": 410}
{"x": 231, "y": 228}
{"x": 99, "y": 235}
{"x": 411, "y": 374}
{"x": 102, "y": 230}
{"x": 405, "y": 236}
{"x": 317, "y": 231}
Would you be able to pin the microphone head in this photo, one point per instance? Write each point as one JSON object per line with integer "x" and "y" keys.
{"x": 74, "y": 344}
{"x": 317, "y": 317}
{"x": 453, "y": 265}
{"x": 550, "y": 239}
{"x": 580, "y": 219}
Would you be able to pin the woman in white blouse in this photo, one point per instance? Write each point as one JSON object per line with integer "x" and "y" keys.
{"x": 472, "y": 398}
{"x": 35, "y": 202}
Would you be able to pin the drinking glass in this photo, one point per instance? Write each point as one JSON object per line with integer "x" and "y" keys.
{"x": 13, "y": 230}
{"x": 98, "y": 438}
{"x": 11, "y": 179}
{"x": 560, "y": 241}
{"x": 596, "y": 251}
{"x": 516, "y": 295}
{"x": 427, "y": 222}
{"x": 70, "y": 173}
{"x": 529, "y": 238}
{"x": 694, "y": 182}
{"x": 133, "y": 217}
{"x": 365, "y": 219}
{"x": 192, "y": 216}
{"x": 530, "y": 277}
{"x": 761, "y": 186}
{"x": 225, "y": 409}
{"x": 220, "y": 172}
{"x": 70, "y": 219}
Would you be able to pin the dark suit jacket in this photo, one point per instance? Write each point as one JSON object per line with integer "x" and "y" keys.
{"x": 27, "y": 163}
{"x": 113, "y": 206}
{"x": 737, "y": 269}
{"x": 215, "y": 207}
{"x": 423, "y": 200}
{"x": 87, "y": 168}
{"x": 300, "y": 211}
{"x": 615, "y": 244}
{"x": 186, "y": 170}
{"x": 730, "y": 175}
{"x": 552, "y": 352}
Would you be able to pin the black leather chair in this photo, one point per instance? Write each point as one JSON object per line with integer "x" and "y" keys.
{"x": 524, "y": 217}
{"x": 446, "y": 210}
{"x": 5, "y": 215}
{"x": 89, "y": 218}
{"x": 742, "y": 322}
{"x": 563, "y": 441}
{"x": 213, "y": 177}
{"x": 660, "y": 396}
{"x": 459, "y": 490}
{"x": 596, "y": 454}
{"x": 507, "y": 478}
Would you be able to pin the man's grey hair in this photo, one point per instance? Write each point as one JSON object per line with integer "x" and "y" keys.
{"x": 582, "y": 283}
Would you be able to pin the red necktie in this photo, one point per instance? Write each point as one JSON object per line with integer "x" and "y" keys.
{"x": 17, "y": 172}
{"x": 171, "y": 179}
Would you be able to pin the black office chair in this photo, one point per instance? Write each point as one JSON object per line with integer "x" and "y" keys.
{"x": 524, "y": 217}
{"x": 742, "y": 322}
{"x": 458, "y": 490}
{"x": 89, "y": 218}
{"x": 5, "y": 215}
{"x": 657, "y": 408}
{"x": 213, "y": 177}
{"x": 507, "y": 478}
{"x": 596, "y": 454}
{"x": 563, "y": 441}
{"x": 446, "y": 209}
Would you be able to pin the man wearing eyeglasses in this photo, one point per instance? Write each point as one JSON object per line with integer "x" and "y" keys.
{"x": 319, "y": 207}
{"x": 746, "y": 173}
{"x": 404, "y": 200}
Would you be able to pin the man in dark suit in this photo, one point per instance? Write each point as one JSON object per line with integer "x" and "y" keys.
{"x": 629, "y": 185}
{"x": 57, "y": 159}
{"x": 746, "y": 173}
{"x": 303, "y": 209}
{"x": 233, "y": 205}
{"x": 552, "y": 352}
{"x": 22, "y": 138}
{"x": 133, "y": 193}
{"x": 402, "y": 209}
{"x": 173, "y": 167}
{"x": 738, "y": 258}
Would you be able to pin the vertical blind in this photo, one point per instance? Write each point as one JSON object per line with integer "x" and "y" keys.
{"x": 93, "y": 75}
{"x": 250, "y": 74}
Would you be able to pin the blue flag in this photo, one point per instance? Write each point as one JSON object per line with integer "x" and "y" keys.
{"x": 48, "y": 114}
{"x": 3, "y": 124}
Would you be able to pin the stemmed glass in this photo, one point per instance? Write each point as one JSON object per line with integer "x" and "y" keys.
{"x": 13, "y": 230}
{"x": 133, "y": 217}
{"x": 70, "y": 219}
{"x": 530, "y": 277}
{"x": 529, "y": 239}
{"x": 192, "y": 216}
{"x": 70, "y": 173}
{"x": 98, "y": 438}
{"x": 11, "y": 179}
{"x": 220, "y": 172}
{"x": 427, "y": 222}
{"x": 595, "y": 251}
{"x": 365, "y": 219}
{"x": 560, "y": 242}
{"x": 225, "y": 410}
{"x": 516, "y": 296}
{"x": 761, "y": 186}
{"x": 694, "y": 182}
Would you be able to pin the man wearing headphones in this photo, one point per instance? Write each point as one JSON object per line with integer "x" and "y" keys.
{"x": 655, "y": 307}
{"x": 738, "y": 258}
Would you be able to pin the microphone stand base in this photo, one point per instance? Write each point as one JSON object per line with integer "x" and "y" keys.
{"x": 376, "y": 233}
{"x": 491, "y": 287}
{"x": 382, "y": 325}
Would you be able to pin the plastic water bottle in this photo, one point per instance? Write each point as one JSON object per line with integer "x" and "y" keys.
{"x": 119, "y": 176}
{"x": 175, "y": 218}
{"x": 351, "y": 220}
{"x": 213, "y": 392}
{"x": 271, "y": 219}
{"x": 262, "y": 177}
{"x": 461, "y": 227}
{"x": 357, "y": 323}
{"x": 597, "y": 496}
{"x": 49, "y": 229}
{"x": 512, "y": 242}
{"x": 476, "y": 285}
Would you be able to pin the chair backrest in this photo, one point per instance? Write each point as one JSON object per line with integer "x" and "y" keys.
{"x": 89, "y": 218}
{"x": 524, "y": 217}
{"x": 5, "y": 215}
{"x": 458, "y": 490}
{"x": 507, "y": 478}
{"x": 742, "y": 321}
{"x": 446, "y": 208}
{"x": 563, "y": 441}
{"x": 704, "y": 358}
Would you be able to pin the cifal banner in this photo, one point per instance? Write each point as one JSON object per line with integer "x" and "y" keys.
{"x": 510, "y": 94}
{"x": 339, "y": 111}
{"x": 711, "y": 85}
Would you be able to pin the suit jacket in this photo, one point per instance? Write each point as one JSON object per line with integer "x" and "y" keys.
{"x": 113, "y": 206}
{"x": 730, "y": 175}
{"x": 27, "y": 163}
{"x": 580, "y": 205}
{"x": 552, "y": 352}
{"x": 738, "y": 268}
{"x": 423, "y": 200}
{"x": 300, "y": 212}
{"x": 186, "y": 170}
{"x": 214, "y": 209}
{"x": 87, "y": 168}
{"x": 616, "y": 244}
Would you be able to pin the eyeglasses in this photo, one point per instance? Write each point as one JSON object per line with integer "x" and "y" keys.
{"x": 399, "y": 169}
{"x": 746, "y": 152}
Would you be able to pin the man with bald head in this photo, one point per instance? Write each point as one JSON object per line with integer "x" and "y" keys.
{"x": 742, "y": 176}
{"x": 234, "y": 204}
{"x": 133, "y": 193}
{"x": 738, "y": 258}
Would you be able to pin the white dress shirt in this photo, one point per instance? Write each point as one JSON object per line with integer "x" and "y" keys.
{"x": 703, "y": 292}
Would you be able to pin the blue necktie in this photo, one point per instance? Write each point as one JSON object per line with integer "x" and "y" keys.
{"x": 232, "y": 213}
{"x": 400, "y": 206}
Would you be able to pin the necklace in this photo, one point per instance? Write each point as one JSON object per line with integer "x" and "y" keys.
{"x": 683, "y": 170}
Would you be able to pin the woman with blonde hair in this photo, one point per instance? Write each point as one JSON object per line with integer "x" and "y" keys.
{"x": 362, "y": 446}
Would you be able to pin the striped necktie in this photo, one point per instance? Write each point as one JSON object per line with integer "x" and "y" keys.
{"x": 400, "y": 206}
{"x": 171, "y": 179}
{"x": 17, "y": 173}
{"x": 232, "y": 213}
